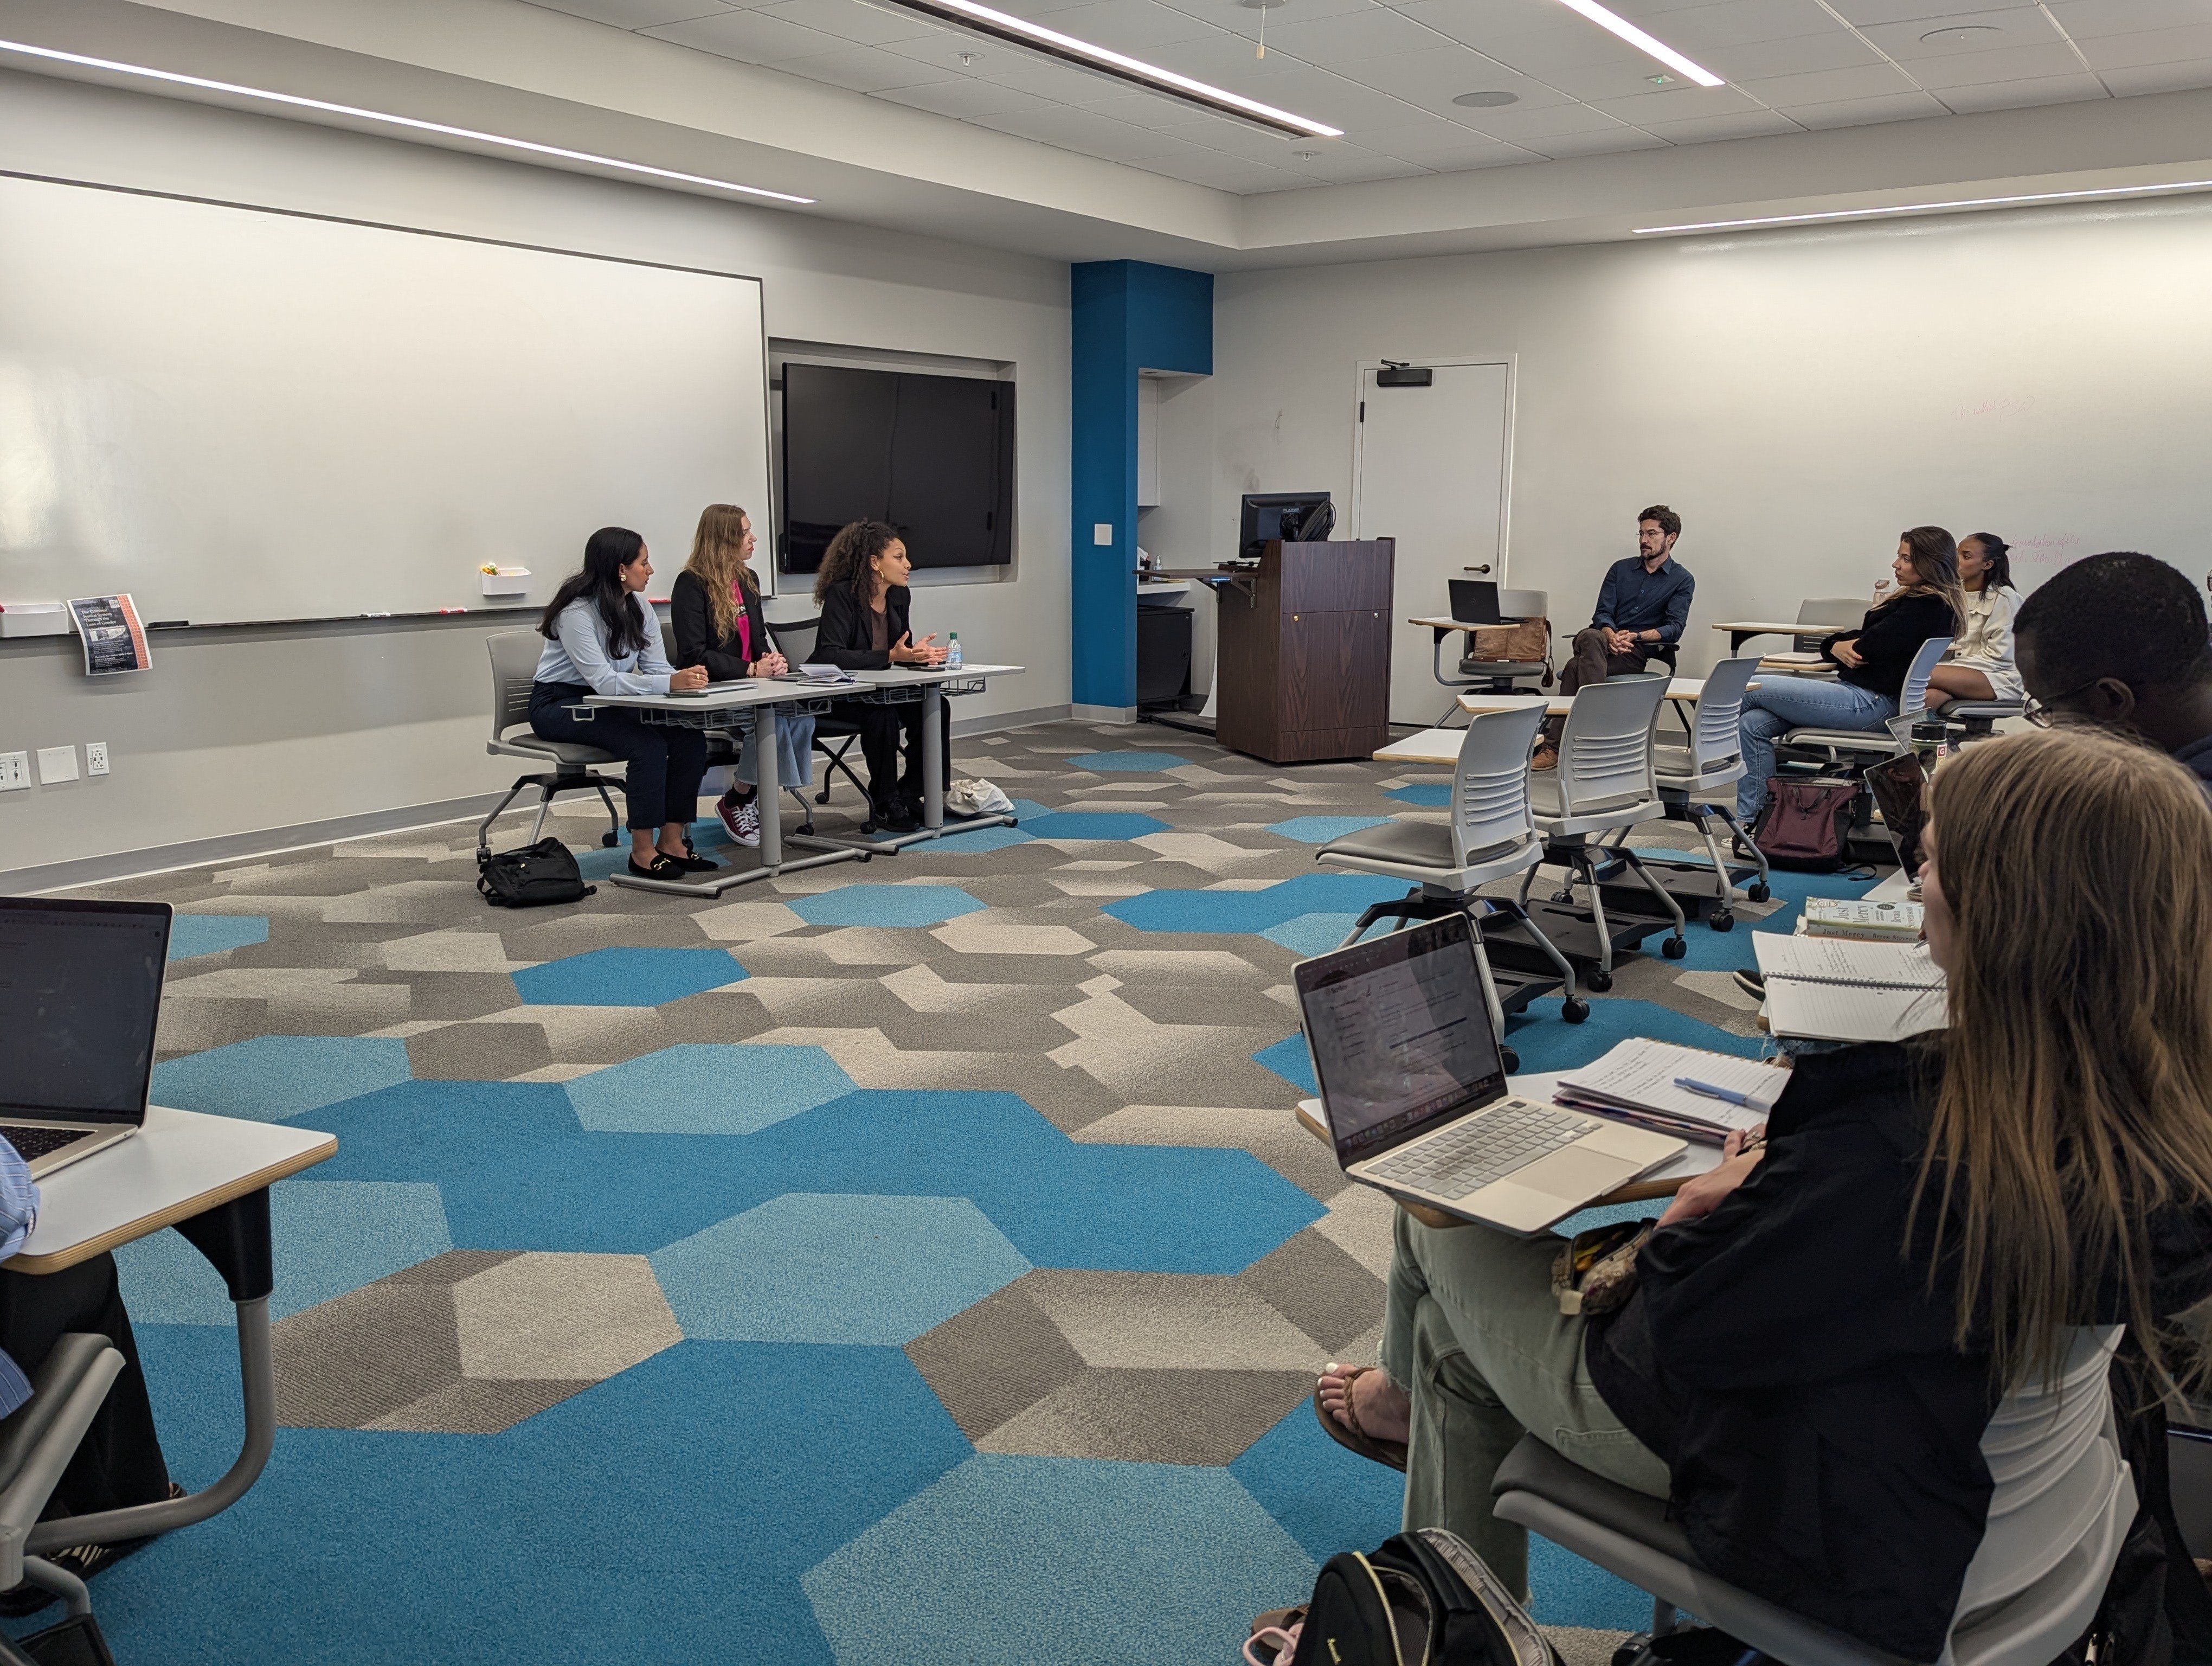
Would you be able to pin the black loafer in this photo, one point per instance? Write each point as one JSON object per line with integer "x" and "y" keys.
{"x": 664, "y": 867}
{"x": 691, "y": 862}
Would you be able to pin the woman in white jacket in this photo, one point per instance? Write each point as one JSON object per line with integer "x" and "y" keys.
{"x": 1980, "y": 666}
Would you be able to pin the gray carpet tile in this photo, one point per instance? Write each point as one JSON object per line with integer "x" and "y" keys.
{"x": 994, "y": 1360}
{"x": 477, "y": 1052}
{"x": 1164, "y": 1416}
{"x": 1320, "y": 1289}
{"x": 451, "y": 1268}
{"x": 474, "y": 1405}
{"x": 362, "y": 1355}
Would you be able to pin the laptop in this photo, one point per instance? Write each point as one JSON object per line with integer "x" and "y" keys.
{"x": 1474, "y": 601}
{"x": 80, "y": 994}
{"x": 1414, "y": 1087}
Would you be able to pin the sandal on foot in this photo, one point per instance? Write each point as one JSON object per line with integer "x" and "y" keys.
{"x": 1275, "y": 1637}
{"x": 1347, "y": 1433}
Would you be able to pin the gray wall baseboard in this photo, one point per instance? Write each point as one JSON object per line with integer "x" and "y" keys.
{"x": 268, "y": 841}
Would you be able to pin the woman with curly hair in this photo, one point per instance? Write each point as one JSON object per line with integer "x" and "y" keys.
{"x": 862, "y": 591}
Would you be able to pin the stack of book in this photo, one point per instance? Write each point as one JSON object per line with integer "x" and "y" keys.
{"x": 1644, "y": 1082}
{"x": 1833, "y": 989}
{"x": 1878, "y": 922}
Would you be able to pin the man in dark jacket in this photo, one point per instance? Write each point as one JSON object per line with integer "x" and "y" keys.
{"x": 1642, "y": 607}
{"x": 2120, "y": 639}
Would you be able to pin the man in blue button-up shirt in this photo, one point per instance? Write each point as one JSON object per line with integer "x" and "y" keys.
{"x": 1641, "y": 609}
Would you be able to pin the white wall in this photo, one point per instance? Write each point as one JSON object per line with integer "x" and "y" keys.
{"x": 207, "y": 776}
{"x": 1800, "y": 397}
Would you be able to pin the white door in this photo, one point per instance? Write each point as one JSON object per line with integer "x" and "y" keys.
{"x": 1429, "y": 468}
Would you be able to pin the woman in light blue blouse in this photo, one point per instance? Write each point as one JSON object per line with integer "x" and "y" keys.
{"x": 601, "y": 638}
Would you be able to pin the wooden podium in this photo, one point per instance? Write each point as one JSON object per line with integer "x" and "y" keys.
{"x": 1303, "y": 652}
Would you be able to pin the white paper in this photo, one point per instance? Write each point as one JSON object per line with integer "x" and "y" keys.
{"x": 1827, "y": 1011}
{"x": 1641, "y": 1073}
{"x": 1845, "y": 960}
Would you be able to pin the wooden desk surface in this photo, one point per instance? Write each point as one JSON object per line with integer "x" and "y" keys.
{"x": 1764, "y": 626}
{"x": 1434, "y": 624}
{"x": 1429, "y": 746}
{"x": 181, "y": 1164}
{"x": 1678, "y": 688}
{"x": 1664, "y": 1182}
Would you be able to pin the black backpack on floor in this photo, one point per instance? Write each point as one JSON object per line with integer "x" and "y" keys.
{"x": 532, "y": 877}
{"x": 1424, "y": 1599}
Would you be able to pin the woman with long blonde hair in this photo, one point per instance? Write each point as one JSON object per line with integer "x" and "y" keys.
{"x": 1925, "y": 600}
{"x": 714, "y": 606}
{"x": 1822, "y": 1326}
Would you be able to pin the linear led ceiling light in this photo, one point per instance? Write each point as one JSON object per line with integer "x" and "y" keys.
{"x": 1642, "y": 42}
{"x": 294, "y": 102}
{"x": 1020, "y": 32}
{"x": 1929, "y": 208}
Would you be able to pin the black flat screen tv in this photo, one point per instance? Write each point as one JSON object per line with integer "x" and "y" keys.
{"x": 932, "y": 455}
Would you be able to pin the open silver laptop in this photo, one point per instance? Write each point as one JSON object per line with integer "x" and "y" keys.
{"x": 79, "y": 995}
{"x": 1414, "y": 1086}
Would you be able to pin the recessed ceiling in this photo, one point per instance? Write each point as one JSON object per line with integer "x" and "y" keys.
{"x": 1394, "y": 76}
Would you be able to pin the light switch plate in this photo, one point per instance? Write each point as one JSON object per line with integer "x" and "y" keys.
{"x": 57, "y": 764}
{"x": 15, "y": 771}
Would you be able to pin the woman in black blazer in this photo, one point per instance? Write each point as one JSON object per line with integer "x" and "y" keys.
{"x": 714, "y": 608}
{"x": 862, "y": 590}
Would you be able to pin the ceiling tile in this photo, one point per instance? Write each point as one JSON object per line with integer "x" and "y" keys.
{"x": 1741, "y": 23}
{"x": 1141, "y": 109}
{"x": 1702, "y": 130}
{"x": 1060, "y": 82}
{"x": 1676, "y": 104}
{"x": 1226, "y": 60}
{"x": 2087, "y": 19}
{"x": 849, "y": 20}
{"x": 862, "y": 69}
{"x": 1804, "y": 54}
{"x": 2147, "y": 48}
{"x": 1376, "y": 32}
{"x": 1468, "y": 158}
{"x": 1622, "y": 78}
{"x": 1335, "y": 100}
{"x": 1228, "y": 14}
{"x": 1873, "y": 81}
{"x": 1606, "y": 143}
{"x": 1433, "y": 77}
{"x": 635, "y": 14}
{"x": 748, "y": 37}
{"x": 1536, "y": 37}
{"x": 1866, "y": 112}
{"x": 1349, "y": 167}
{"x": 2020, "y": 94}
{"x": 943, "y": 50}
{"x": 1869, "y": 14}
{"x": 1127, "y": 26}
{"x": 1963, "y": 33}
{"x": 2161, "y": 78}
{"x": 1038, "y": 9}
{"x": 1938, "y": 74}
{"x": 1233, "y": 138}
{"x": 965, "y": 98}
{"x": 1441, "y": 139}
{"x": 1084, "y": 132}
{"x": 1534, "y": 127}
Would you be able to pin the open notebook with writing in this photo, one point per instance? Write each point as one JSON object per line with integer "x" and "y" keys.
{"x": 1635, "y": 1081}
{"x": 1831, "y": 988}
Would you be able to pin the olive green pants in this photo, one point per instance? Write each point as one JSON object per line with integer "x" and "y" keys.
{"x": 1474, "y": 1334}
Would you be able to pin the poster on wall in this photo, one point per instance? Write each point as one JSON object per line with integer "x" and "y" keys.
{"x": 114, "y": 638}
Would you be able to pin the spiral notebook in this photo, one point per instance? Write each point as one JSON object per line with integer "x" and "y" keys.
{"x": 1833, "y": 988}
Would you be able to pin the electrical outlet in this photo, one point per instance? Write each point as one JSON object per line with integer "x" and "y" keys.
{"x": 95, "y": 757}
{"x": 57, "y": 764}
{"x": 15, "y": 771}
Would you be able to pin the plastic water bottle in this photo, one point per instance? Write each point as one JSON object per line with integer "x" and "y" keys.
{"x": 953, "y": 653}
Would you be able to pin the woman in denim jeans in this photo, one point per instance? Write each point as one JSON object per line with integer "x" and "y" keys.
{"x": 1871, "y": 663}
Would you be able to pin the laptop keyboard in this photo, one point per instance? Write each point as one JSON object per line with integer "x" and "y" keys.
{"x": 1468, "y": 1156}
{"x": 33, "y": 1143}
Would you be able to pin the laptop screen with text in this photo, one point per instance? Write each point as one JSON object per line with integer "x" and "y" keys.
{"x": 80, "y": 994}
{"x": 1401, "y": 1034}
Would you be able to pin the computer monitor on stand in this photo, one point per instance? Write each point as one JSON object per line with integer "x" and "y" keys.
{"x": 1293, "y": 517}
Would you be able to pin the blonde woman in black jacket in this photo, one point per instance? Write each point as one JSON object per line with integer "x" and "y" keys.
{"x": 862, "y": 590}
{"x": 715, "y": 608}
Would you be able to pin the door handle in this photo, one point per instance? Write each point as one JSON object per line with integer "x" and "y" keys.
{"x": 1485, "y": 568}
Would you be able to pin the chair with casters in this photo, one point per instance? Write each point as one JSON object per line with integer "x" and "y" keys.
{"x": 2063, "y": 1501}
{"x": 1492, "y": 676}
{"x": 1976, "y": 719}
{"x": 1604, "y": 784}
{"x": 1489, "y": 835}
{"x": 37, "y": 1441}
{"x": 834, "y": 736}
{"x": 1698, "y": 781}
{"x": 575, "y": 766}
{"x": 1832, "y": 746}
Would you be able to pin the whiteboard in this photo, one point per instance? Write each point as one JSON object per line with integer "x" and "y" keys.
{"x": 235, "y": 413}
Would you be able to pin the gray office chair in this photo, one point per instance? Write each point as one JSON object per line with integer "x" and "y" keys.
{"x": 1833, "y": 745}
{"x": 1698, "y": 781}
{"x": 1604, "y": 784}
{"x": 2063, "y": 1501}
{"x": 834, "y": 736}
{"x": 575, "y": 766}
{"x": 1489, "y": 835}
{"x": 723, "y": 749}
{"x": 1978, "y": 718}
{"x": 1495, "y": 676}
{"x": 37, "y": 1441}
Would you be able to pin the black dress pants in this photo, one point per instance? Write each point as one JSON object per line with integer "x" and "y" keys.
{"x": 884, "y": 729}
{"x": 118, "y": 1462}
{"x": 664, "y": 765}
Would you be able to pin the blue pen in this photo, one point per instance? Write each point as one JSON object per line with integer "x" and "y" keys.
{"x": 1691, "y": 1085}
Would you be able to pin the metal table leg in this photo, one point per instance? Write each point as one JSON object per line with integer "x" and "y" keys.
{"x": 234, "y": 1237}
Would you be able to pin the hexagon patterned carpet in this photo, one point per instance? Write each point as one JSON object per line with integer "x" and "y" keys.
{"x": 910, "y": 1262}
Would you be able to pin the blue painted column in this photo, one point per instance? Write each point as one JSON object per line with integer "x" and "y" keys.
{"x": 1127, "y": 315}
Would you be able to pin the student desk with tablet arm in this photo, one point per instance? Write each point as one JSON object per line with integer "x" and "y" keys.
{"x": 208, "y": 1177}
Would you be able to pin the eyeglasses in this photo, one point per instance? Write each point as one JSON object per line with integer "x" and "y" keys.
{"x": 2042, "y": 713}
